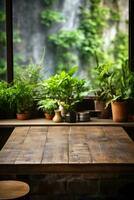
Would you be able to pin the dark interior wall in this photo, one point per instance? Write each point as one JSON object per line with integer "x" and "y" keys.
{"x": 4, "y": 135}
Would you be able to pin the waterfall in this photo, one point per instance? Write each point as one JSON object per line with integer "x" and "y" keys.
{"x": 70, "y": 10}
{"x": 26, "y": 19}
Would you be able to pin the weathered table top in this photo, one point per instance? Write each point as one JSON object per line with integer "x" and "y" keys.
{"x": 43, "y": 149}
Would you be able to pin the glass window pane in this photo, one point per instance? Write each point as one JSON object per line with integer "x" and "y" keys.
{"x": 70, "y": 33}
{"x": 2, "y": 41}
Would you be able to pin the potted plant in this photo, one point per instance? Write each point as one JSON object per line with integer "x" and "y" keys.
{"x": 67, "y": 89}
{"x": 99, "y": 87}
{"x": 7, "y": 98}
{"x": 24, "y": 94}
{"x": 25, "y": 84}
{"x": 48, "y": 106}
{"x": 119, "y": 92}
{"x": 73, "y": 90}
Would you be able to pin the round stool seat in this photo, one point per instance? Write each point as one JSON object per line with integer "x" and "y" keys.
{"x": 12, "y": 189}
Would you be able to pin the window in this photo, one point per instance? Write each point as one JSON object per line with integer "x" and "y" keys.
{"x": 58, "y": 31}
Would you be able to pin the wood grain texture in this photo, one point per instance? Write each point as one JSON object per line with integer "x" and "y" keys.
{"x": 40, "y": 149}
{"x": 13, "y": 146}
{"x": 33, "y": 146}
{"x": 79, "y": 151}
{"x": 56, "y": 147}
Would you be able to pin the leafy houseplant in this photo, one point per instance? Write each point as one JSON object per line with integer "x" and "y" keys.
{"x": 65, "y": 88}
{"x": 7, "y": 98}
{"x": 101, "y": 76}
{"x": 119, "y": 91}
{"x": 24, "y": 97}
{"x": 48, "y": 106}
{"x": 25, "y": 89}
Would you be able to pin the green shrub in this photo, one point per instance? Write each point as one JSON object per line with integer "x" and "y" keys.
{"x": 50, "y": 16}
{"x": 7, "y": 99}
{"x": 67, "y": 39}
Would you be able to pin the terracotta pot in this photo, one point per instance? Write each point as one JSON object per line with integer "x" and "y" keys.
{"x": 48, "y": 116}
{"x": 119, "y": 111}
{"x": 22, "y": 116}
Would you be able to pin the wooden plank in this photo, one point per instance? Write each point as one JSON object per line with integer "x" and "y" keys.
{"x": 122, "y": 148}
{"x": 45, "y": 122}
{"x": 78, "y": 148}
{"x": 33, "y": 146}
{"x": 56, "y": 147}
{"x": 110, "y": 145}
{"x": 13, "y": 146}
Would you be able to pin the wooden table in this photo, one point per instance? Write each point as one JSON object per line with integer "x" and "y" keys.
{"x": 67, "y": 149}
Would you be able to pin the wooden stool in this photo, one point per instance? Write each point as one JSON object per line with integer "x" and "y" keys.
{"x": 12, "y": 189}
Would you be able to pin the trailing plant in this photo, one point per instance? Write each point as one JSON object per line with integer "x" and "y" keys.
{"x": 120, "y": 46}
{"x": 93, "y": 20}
{"x": 66, "y": 43}
{"x": 50, "y": 16}
{"x": 67, "y": 39}
{"x": 115, "y": 16}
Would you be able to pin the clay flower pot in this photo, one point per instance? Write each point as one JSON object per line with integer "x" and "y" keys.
{"x": 23, "y": 116}
{"x": 48, "y": 116}
{"x": 119, "y": 111}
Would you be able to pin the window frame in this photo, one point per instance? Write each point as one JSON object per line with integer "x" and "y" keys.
{"x": 131, "y": 33}
{"x": 9, "y": 40}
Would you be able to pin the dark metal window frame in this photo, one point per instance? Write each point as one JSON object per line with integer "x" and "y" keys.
{"x": 131, "y": 34}
{"x": 9, "y": 34}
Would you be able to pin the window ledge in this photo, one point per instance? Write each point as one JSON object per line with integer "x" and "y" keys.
{"x": 42, "y": 121}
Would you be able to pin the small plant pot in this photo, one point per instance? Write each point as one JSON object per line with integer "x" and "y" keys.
{"x": 48, "y": 116}
{"x": 84, "y": 116}
{"x": 57, "y": 117}
{"x": 100, "y": 106}
{"x": 70, "y": 117}
{"x": 119, "y": 111}
{"x": 22, "y": 116}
